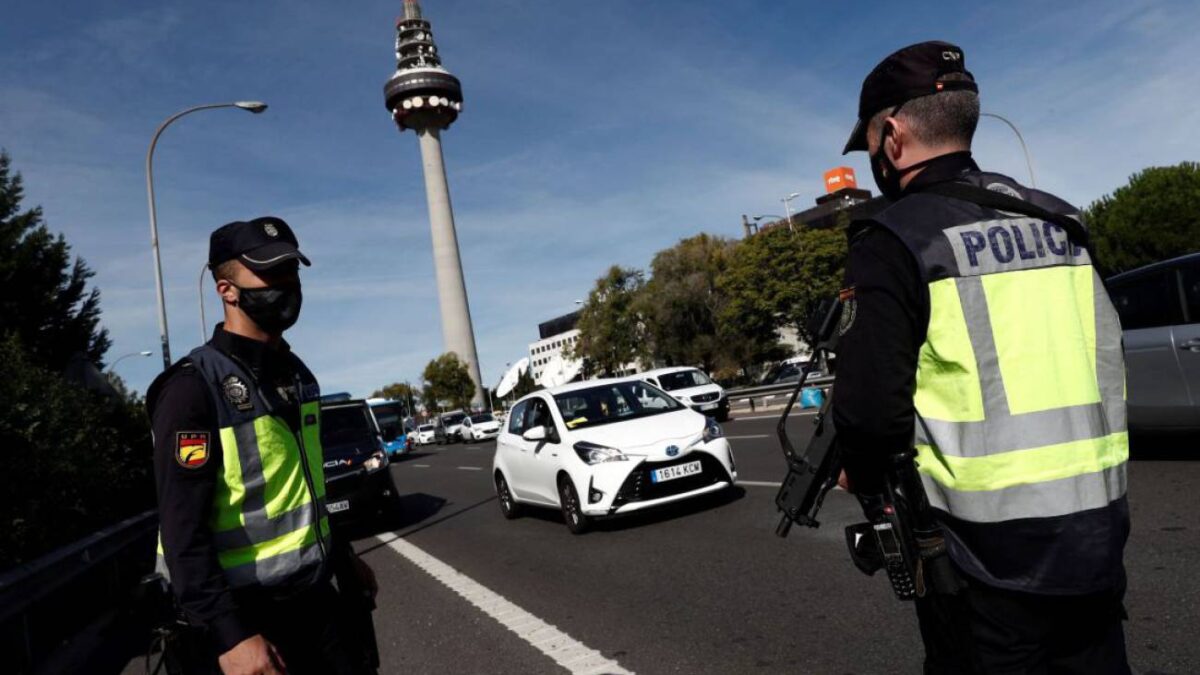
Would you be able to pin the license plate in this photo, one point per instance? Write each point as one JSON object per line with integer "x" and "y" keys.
{"x": 673, "y": 472}
{"x": 708, "y": 406}
{"x": 337, "y": 507}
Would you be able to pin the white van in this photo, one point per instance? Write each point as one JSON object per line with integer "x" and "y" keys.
{"x": 691, "y": 387}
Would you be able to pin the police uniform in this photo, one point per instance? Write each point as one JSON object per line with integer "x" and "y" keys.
{"x": 985, "y": 340}
{"x": 244, "y": 536}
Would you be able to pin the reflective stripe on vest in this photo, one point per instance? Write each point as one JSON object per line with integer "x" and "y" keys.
{"x": 1020, "y": 382}
{"x": 266, "y": 527}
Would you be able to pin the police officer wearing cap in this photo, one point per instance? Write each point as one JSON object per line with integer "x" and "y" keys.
{"x": 244, "y": 537}
{"x": 976, "y": 331}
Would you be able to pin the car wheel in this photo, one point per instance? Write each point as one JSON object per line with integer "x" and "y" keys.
{"x": 572, "y": 511}
{"x": 508, "y": 506}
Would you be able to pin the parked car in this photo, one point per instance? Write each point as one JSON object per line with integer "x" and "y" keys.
{"x": 1159, "y": 306}
{"x": 789, "y": 372}
{"x": 389, "y": 418}
{"x": 480, "y": 427}
{"x": 424, "y": 434}
{"x": 451, "y": 426}
{"x": 602, "y": 448}
{"x": 357, "y": 481}
{"x": 692, "y": 388}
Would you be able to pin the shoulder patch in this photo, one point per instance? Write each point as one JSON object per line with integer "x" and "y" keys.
{"x": 849, "y": 310}
{"x": 191, "y": 449}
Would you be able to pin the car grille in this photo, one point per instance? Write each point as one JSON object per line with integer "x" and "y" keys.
{"x": 706, "y": 398}
{"x": 638, "y": 487}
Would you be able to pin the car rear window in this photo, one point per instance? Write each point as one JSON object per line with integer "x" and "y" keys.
{"x": 1149, "y": 300}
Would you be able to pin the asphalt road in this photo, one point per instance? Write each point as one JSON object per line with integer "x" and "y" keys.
{"x": 704, "y": 587}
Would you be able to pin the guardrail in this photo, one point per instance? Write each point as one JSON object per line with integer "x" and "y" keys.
{"x": 45, "y": 602}
{"x": 765, "y": 394}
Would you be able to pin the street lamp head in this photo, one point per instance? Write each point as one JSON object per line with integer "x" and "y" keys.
{"x": 146, "y": 352}
{"x": 253, "y": 106}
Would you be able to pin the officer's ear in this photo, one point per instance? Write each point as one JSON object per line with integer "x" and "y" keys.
{"x": 227, "y": 291}
{"x": 895, "y": 141}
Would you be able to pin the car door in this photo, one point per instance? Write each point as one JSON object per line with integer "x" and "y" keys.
{"x": 1187, "y": 336}
{"x": 542, "y": 456}
{"x": 511, "y": 448}
{"x": 1149, "y": 306}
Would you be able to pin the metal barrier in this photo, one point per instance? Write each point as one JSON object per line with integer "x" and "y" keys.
{"x": 768, "y": 391}
{"x": 47, "y": 601}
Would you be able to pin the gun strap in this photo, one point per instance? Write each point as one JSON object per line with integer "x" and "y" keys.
{"x": 1002, "y": 202}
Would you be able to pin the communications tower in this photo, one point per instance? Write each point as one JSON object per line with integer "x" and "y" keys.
{"x": 425, "y": 97}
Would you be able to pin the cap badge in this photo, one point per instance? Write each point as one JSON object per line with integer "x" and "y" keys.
{"x": 270, "y": 229}
{"x": 237, "y": 393}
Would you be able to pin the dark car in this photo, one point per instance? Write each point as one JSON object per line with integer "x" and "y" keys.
{"x": 358, "y": 483}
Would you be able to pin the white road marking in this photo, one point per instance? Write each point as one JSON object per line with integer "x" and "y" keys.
{"x": 471, "y": 468}
{"x": 474, "y": 447}
{"x": 804, "y": 413}
{"x": 421, "y": 466}
{"x": 566, "y": 651}
{"x": 750, "y": 436}
{"x": 758, "y": 483}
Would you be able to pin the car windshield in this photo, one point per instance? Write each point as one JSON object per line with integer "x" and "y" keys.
{"x": 345, "y": 425}
{"x": 426, "y": 427}
{"x": 482, "y": 417}
{"x": 388, "y": 414}
{"x": 452, "y": 419}
{"x": 616, "y": 402}
{"x": 684, "y": 379}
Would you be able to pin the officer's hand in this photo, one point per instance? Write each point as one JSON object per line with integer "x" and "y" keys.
{"x": 366, "y": 576}
{"x": 844, "y": 481}
{"x": 252, "y": 656}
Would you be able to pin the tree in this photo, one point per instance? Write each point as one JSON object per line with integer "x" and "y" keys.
{"x": 1154, "y": 217}
{"x": 611, "y": 332}
{"x": 683, "y": 300}
{"x": 778, "y": 278}
{"x": 448, "y": 379}
{"x": 44, "y": 299}
{"x": 398, "y": 391}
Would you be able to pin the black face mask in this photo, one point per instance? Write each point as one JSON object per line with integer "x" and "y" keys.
{"x": 887, "y": 176}
{"x": 273, "y": 308}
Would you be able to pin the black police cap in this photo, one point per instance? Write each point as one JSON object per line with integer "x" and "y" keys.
{"x": 909, "y": 73}
{"x": 259, "y": 244}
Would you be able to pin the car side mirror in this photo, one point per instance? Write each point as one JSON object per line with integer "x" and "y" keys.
{"x": 535, "y": 434}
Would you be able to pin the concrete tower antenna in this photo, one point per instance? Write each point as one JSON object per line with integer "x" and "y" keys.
{"x": 425, "y": 97}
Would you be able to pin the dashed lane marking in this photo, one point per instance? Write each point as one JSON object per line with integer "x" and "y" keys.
{"x": 566, "y": 651}
{"x": 471, "y": 468}
{"x": 421, "y": 466}
{"x": 734, "y": 438}
{"x": 759, "y": 483}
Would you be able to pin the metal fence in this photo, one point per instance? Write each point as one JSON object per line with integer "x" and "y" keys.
{"x": 769, "y": 394}
{"x": 46, "y": 602}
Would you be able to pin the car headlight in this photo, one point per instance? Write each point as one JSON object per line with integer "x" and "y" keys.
{"x": 591, "y": 453}
{"x": 712, "y": 430}
{"x": 375, "y": 462}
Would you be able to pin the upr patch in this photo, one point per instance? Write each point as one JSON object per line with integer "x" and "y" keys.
{"x": 191, "y": 449}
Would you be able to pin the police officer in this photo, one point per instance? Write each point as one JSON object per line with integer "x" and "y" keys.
{"x": 982, "y": 336}
{"x": 244, "y": 537}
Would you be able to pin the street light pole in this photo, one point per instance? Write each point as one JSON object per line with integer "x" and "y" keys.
{"x": 113, "y": 365}
{"x": 787, "y": 207}
{"x": 252, "y": 106}
{"x": 1021, "y": 139}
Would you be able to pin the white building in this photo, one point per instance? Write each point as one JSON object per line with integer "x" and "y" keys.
{"x": 544, "y": 351}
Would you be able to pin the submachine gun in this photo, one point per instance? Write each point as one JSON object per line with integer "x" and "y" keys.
{"x": 900, "y": 536}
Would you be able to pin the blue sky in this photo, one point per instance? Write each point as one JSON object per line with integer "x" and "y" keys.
{"x": 593, "y": 133}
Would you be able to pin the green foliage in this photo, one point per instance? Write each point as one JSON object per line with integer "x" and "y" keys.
{"x": 778, "y": 277}
{"x": 1154, "y": 217}
{"x": 43, "y": 292}
{"x": 71, "y": 461}
{"x": 683, "y": 300}
{"x": 397, "y": 391}
{"x": 447, "y": 379}
{"x": 611, "y": 330}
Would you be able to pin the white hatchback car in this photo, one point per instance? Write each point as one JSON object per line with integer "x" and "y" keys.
{"x": 480, "y": 427}
{"x": 693, "y": 388}
{"x": 424, "y": 435}
{"x": 606, "y": 447}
